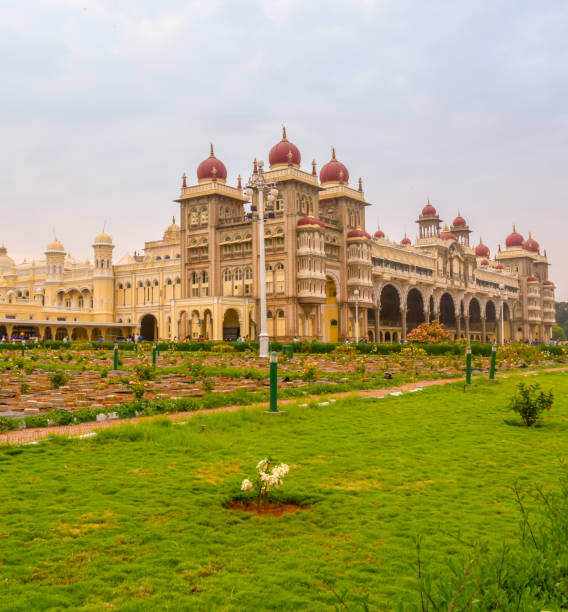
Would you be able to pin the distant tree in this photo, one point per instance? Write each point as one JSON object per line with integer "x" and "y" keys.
{"x": 558, "y": 333}
{"x": 562, "y": 313}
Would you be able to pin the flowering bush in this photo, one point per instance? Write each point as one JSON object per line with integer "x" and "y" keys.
{"x": 429, "y": 333}
{"x": 345, "y": 349}
{"x": 269, "y": 476}
{"x": 310, "y": 373}
{"x": 414, "y": 352}
{"x": 531, "y": 402}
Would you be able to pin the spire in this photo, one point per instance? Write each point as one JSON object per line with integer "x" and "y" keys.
{"x": 212, "y": 154}
{"x": 314, "y": 167}
{"x": 514, "y": 228}
{"x": 184, "y": 180}
{"x": 255, "y": 167}
{"x": 284, "y": 133}
{"x": 173, "y": 220}
{"x": 239, "y": 185}
{"x": 333, "y": 158}
{"x": 360, "y": 184}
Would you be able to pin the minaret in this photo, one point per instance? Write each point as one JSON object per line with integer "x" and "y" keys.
{"x": 54, "y": 258}
{"x": 428, "y": 222}
{"x": 461, "y": 230}
{"x": 103, "y": 278}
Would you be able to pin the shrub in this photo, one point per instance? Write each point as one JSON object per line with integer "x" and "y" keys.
{"x": 138, "y": 391}
{"x": 531, "y": 402}
{"x": 208, "y": 384}
{"x": 104, "y": 372}
{"x": 269, "y": 475}
{"x": 310, "y": 373}
{"x": 144, "y": 372}
{"x": 58, "y": 379}
{"x": 24, "y": 388}
{"x": 429, "y": 333}
{"x": 345, "y": 349}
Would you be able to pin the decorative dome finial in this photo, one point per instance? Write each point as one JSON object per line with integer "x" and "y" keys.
{"x": 360, "y": 184}
{"x": 184, "y": 180}
{"x": 284, "y": 133}
{"x": 239, "y": 185}
{"x": 333, "y": 158}
{"x": 314, "y": 167}
{"x": 255, "y": 167}
{"x": 212, "y": 154}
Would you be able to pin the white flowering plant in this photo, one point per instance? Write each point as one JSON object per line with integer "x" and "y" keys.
{"x": 270, "y": 475}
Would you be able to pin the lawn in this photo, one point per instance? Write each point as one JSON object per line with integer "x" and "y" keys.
{"x": 135, "y": 519}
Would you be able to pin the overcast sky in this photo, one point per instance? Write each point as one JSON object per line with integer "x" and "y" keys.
{"x": 104, "y": 105}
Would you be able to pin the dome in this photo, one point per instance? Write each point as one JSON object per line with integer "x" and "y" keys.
{"x": 358, "y": 233}
{"x": 406, "y": 240}
{"x": 103, "y": 238}
{"x": 55, "y": 245}
{"x": 481, "y": 250}
{"x": 334, "y": 171}
{"x": 531, "y": 245}
{"x": 532, "y": 279}
{"x": 211, "y": 169}
{"x": 459, "y": 221}
{"x": 284, "y": 153}
{"x": 447, "y": 235}
{"x": 514, "y": 239}
{"x": 429, "y": 209}
{"x": 6, "y": 263}
{"x": 311, "y": 221}
{"x": 379, "y": 233}
{"x": 499, "y": 267}
{"x": 548, "y": 283}
{"x": 484, "y": 262}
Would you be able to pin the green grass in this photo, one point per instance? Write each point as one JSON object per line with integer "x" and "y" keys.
{"x": 135, "y": 519}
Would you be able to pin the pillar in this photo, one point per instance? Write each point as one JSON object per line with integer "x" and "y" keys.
{"x": 458, "y": 325}
{"x": 377, "y": 323}
{"x": 483, "y": 332}
{"x": 466, "y": 319}
{"x": 403, "y": 317}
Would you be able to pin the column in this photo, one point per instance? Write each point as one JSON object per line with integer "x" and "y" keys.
{"x": 466, "y": 318}
{"x": 458, "y": 325}
{"x": 403, "y": 317}
{"x": 377, "y": 323}
{"x": 483, "y": 332}
{"x": 499, "y": 334}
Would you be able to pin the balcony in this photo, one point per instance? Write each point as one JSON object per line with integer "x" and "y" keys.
{"x": 330, "y": 221}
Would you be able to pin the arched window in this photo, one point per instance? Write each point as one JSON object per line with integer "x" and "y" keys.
{"x": 238, "y": 274}
{"x": 155, "y": 283}
{"x": 178, "y": 281}
{"x": 128, "y": 285}
{"x": 280, "y": 314}
{"x": 204, "y": 276}
{"x": 204, "y": 215}
{"x": 169, "y": 282}
{"x": 194, "y": 216}
{"x": 248, "y": 274}
{"x": 228, "y": 276}
{"x": 167, "y": 257}
{"x": 158, "y": 258}
{"x": 269, "y": 315}
{"x": 194, "y": 278}
{"x": 279, "y": 202}
{"x": 120, "y": 286}
{"x": 280, "y": 266}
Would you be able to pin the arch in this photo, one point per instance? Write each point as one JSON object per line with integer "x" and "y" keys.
{"x": 149, "y": 327}
{"x": 47, "y": 334}
{"x": 447, "y": 311}
{"x": 390, "y": 314}
{"x": 61, "y": 333}
{"x": 96, "y": 335}
{"x": 80, "y": 334}
{"x": 490, "y": 312}
{"x": 432, "y": 308}
{"x": 387, "y": 336}
{"x": 331, "y": 311}
{"x": 474, "y": 311}
{"x": 414, "y": 309}
{"x": 231, "y": 325}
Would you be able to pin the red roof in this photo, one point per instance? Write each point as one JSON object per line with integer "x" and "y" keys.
{"x": 531, "y": 245}
{"x": 358, "y": 233}
{"x": 445, "y": 235}
{"x": 548, "y": 283}
{"x": 459, "y": 221}
{"x": 211, "y": 168}
{"x": 334, "y": 171}
{"x": 379, "y": 233}
{"x": 532, "y": 279}
{"x": 481, "y": 250}
{"x": 429, "y": 209}
{"x": 284, "y": 152}
{"x": 514, "y": 239}
{"x": 406, "y": 240}
{"x": 311, "y": 221}
{"x": 484, "y": 262}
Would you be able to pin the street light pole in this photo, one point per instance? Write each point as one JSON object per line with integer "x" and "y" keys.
{"x": 356, "y": 294}
{"x": 257, "y": 182}
{"x": 502, "y": 294}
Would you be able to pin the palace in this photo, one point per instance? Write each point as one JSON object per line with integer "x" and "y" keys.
{"x": 201, "y": 280}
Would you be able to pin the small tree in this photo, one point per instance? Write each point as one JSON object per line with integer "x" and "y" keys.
{"x": 269, "y": 475}
{"x": 429, "y": 333}
{"x": 558, "y": 333}
{"x": 530, "y": 402}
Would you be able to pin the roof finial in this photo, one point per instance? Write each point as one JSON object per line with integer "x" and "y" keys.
{"x": 284, "y": 133}
{"x": 514, "y": 228}
{"x": 173, "y": 220}
{"x": 255, "y": 167}
{"x": 360, "y": 184}
{"x": 239, "y": 185}
{"x": 184, "y": 180}
{"x": 314, "y": 167}
{"x": 212, "y": 153}
{"x": 333, "y": 154}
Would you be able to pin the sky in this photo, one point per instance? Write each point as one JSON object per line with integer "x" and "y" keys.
{"x": 105, "y": 104}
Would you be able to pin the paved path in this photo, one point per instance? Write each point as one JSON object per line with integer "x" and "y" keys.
{"x": 30, "y": 435}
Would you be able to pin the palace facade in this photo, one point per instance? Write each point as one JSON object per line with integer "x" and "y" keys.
{"x": 323, "y": 269}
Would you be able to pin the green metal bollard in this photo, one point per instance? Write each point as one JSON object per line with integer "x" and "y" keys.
{"x": 493, "y": 360}
{"x": 136, "y": 346}
{"x": 153, "y": 355}
{"x": 23, "y": 348}
{"x": 116, "y": 356}
{"x": 274, "y": 381}
{"x": 468, "y": 365}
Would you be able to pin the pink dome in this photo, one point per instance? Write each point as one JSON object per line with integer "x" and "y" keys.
{"x": 514, "y": 239}
{"x": 211, "y": 169}
{"x": 358, "y": 233}
{"x": 459, "y": 221}
{"x": 429, "y": 209}
{"x": 499, "y": 267}
{"x": 484, "y": 262}
{"x": 532, "y": 279}
{"x": 334, "y": 171}
{"x": 481, "y": 250}
{"x": 548, "y": 283}
{"x": 405, "y": 240}
{"x": 379, "y": 233}
{"x": 311, "y": 221}
{"x": 284, "y": 152}
{"x": 447, "y": 235}
{"x": 531, "y": 245}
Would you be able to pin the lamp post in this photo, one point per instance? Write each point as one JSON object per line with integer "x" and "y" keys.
{"x": 502, "y": 295}
{"x": 257, "y": 182}
{"x": 356, "y": 294}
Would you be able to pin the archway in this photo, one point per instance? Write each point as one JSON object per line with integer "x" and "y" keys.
{"x": 414, "y": 309}
{"x": 387, "y": 336}
{"x": 96, "y": 335}
{"x": 331, "y": 311}
{"x": 447, "y": 311}
{"x": 207, "y": 325}
{"x": 231, "y": 325}
{"x": 3, "y": 332}
{"x": 432, "y": 308}
{"x": 474, "y": 311}
{"x": 61, "y": 333}
{"x": 79, "y": 333}
{"x": 390, "y": 307}
{"x": 25, "y": 332}
{"x": 182, "y": 330}
{"x": 47, "y": 334}
{"x": 148, "y": 327}
{"x": 507, "y": 324}
{"x": 490, "y": 322}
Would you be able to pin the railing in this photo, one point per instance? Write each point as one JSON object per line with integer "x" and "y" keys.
{"x": 330, "y": 221}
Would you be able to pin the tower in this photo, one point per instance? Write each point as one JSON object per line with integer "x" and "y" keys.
{"x": 428, "y": 222}
{"x": 103, "y": 279}
{"x": 54, "y": 258}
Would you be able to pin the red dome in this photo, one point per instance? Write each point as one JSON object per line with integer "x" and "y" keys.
{"x": 484, "y": 262}
{"x": 499, "y": 266}
{"x": 211, "y": 169}
{"x": 284, "y": 152}
{"x": 358, "y": 233}
{"x": 379, "y": 233}
{"x": 311, "y": 221}
{"x": 481, "y": 250}
{"x": 429, "y": 209}
{"x": 447, "y": 235}
{"x": 514, "y": 239}
{"x": 531, "y": 245}
{"x": 406, "y": 240}
{"x": 532, "y": 279}
{"x": 334, "y": 171}
{"x": 548, "y": 283}
{"x": 459, "y": 221}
